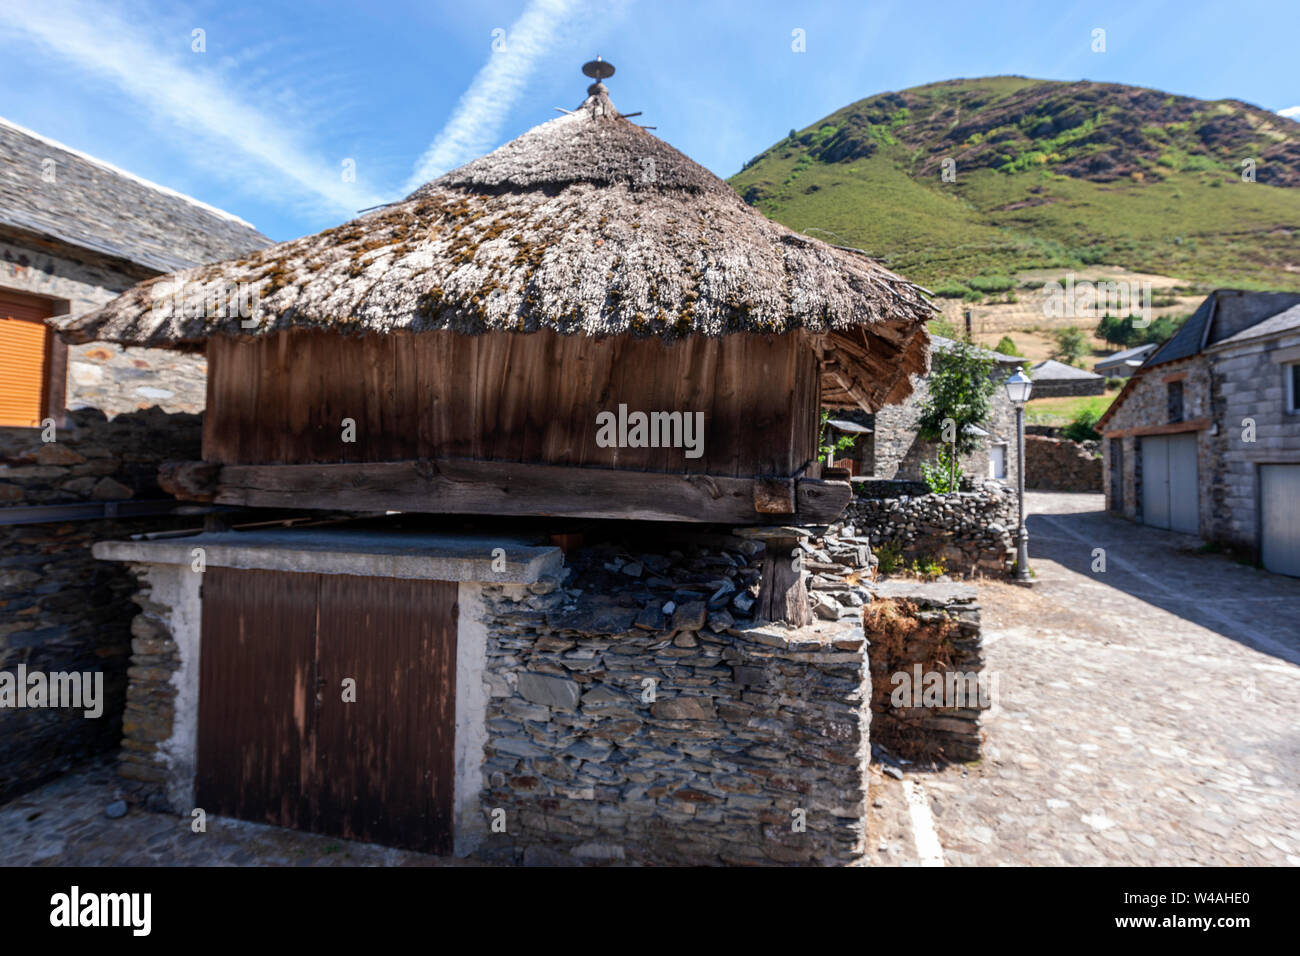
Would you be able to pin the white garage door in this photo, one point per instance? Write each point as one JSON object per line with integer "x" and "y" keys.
{"x": 1279, "y": 518}
{"x": 1169, "y": 486}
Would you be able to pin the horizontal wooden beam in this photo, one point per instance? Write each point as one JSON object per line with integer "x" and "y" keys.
{"x": 1171, "y": 428}
{"x": 471, "y": 486}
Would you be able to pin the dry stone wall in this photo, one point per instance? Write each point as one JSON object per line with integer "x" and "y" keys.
{"x": 971, "y": 531}
{"x": 61, "y": 610}
{"x": 1058, "y": 464}
{"x": 637, "y": 713}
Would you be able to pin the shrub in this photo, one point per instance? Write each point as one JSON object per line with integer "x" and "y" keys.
{"x": 1006, "y": 346}
{"x": 992, "y": 283}
{"x": 943, "y": 475}
{"x": 1081, "y": 428}
{"x": 929, "y": 568}
{"x": 951, "y": 290}
{"x": 890, "y": 557}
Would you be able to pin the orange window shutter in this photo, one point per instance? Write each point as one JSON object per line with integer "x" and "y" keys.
{"x": 23, "y": 360}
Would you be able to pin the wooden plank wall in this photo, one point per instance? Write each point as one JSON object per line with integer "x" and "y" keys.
{"x": 508, "y": 397}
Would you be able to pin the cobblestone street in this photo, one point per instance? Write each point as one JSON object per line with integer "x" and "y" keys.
{"x": 63, "y": 824}
{"x": 1146, "y": 715}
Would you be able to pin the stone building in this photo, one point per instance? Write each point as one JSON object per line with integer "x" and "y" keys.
{"x": 893, "y": 450}
{"x": 75, "y": 232}
{"x": 1053, "y": 379}
{"x": 1204, "y": 439}
{"x": 529, "y": 683}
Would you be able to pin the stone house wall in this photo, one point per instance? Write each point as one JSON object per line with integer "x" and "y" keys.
{"x": 894, "y": 450}
{"x": 623, "y": 708}
{"x": 1058, "y": 464}
{"x": 1248, "y": 384}
{"x": 1144, "y": 404}
{"x": 1069, "y": 387}
{"x": 60, "y": 609}
{"x": 112, "y": 378}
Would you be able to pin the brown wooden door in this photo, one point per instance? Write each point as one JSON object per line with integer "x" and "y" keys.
{"x": 277, "y": 742}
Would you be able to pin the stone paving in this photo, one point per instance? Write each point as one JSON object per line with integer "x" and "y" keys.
{"x": 63, "y": 824}
{"x": 1146, "y": 714}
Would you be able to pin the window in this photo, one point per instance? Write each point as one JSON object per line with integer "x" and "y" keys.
{"x": 1292, "y": 373}
{"x": 998, "y": 461}
{"x": 30, "y": 363}
{"x": 1174, "y": 401}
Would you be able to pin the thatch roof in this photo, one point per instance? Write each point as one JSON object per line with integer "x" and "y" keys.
{"x": 586, "y": 224}
{"x": 51, "y": 190}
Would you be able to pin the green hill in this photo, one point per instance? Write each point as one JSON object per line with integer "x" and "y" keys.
{"x": 1048, "y": 175}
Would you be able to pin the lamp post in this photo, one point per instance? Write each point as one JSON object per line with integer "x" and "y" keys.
{"x": 1018, "y": 388}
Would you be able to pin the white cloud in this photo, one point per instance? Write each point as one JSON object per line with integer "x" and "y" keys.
{"x": 255, "y": 148}
{"x": 1291, "y": 112}
{"x": 476, "y": 122}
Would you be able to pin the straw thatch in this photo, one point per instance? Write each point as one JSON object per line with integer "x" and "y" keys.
{"x": 586, "y": 224}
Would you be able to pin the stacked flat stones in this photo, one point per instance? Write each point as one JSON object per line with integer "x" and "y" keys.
{"x": 637, "y": 713}
{"x": 972, "y": 531}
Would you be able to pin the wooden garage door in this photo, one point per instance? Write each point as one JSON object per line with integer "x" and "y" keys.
{"x": 277, "y": 742}
{"x": 1279, "y": 518}
{"x": 1170, "y": 491}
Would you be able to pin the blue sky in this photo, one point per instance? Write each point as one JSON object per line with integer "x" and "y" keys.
{"x": 263, "y": 120}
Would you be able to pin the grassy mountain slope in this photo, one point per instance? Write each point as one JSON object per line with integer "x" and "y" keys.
{"x": 1049, "y": 175}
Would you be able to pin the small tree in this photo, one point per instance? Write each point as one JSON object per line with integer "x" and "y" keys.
{"x": 1006, "y": 346}
{"x": 960, "y": 388}
{"x": 1071, "y": 344}
{"x": 1116, "y": 331}
{"x": 828, "y": 444}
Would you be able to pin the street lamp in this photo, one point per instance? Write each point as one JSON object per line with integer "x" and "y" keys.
{"x": 1018, "y": 387}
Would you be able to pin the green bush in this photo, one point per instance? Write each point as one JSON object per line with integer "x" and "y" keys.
{"x": 1006, "y": 346}
{"x": 951, "y": 290}
{"x": 992, "y": 283}
{"x": 890, "y": 557}
{"x": 1082, "y": 428}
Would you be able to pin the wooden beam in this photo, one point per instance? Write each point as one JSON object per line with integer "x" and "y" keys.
{"x": 470, "y": 486}
{"x": 1172, "y": 428}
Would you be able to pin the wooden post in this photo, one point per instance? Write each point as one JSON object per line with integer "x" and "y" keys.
{"x": 782, "y": 595}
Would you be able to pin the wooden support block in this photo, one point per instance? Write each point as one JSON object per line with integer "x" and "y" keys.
{"x": 774, "y": 496}
{"x": 189, "y": 480}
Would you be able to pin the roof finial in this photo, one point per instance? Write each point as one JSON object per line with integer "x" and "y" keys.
{"x": 598, "y": 70}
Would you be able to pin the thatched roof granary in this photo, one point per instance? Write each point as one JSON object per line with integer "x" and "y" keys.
{"x": 587, "y": 257}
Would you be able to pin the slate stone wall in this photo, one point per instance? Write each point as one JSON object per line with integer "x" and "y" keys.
{"x": 1058, "y": 464}
{"x": 638, "y": 715}
{"x": 61, "y": 610}
{"x": 112, "y": 378}
{"x": 972, "y": 531}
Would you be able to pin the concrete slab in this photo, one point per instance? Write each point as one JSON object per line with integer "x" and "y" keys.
{"x": 434, "y": 557}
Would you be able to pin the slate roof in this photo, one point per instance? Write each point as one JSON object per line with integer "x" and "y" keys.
{"x": 1225, "y": 312}
{"x": 94, "y": 205}
{"x": 1282, "y": 322}
{"x": 1054, "y": 371}
{"x": 1133, "y": 356}
{"x": 940, "y": 344}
